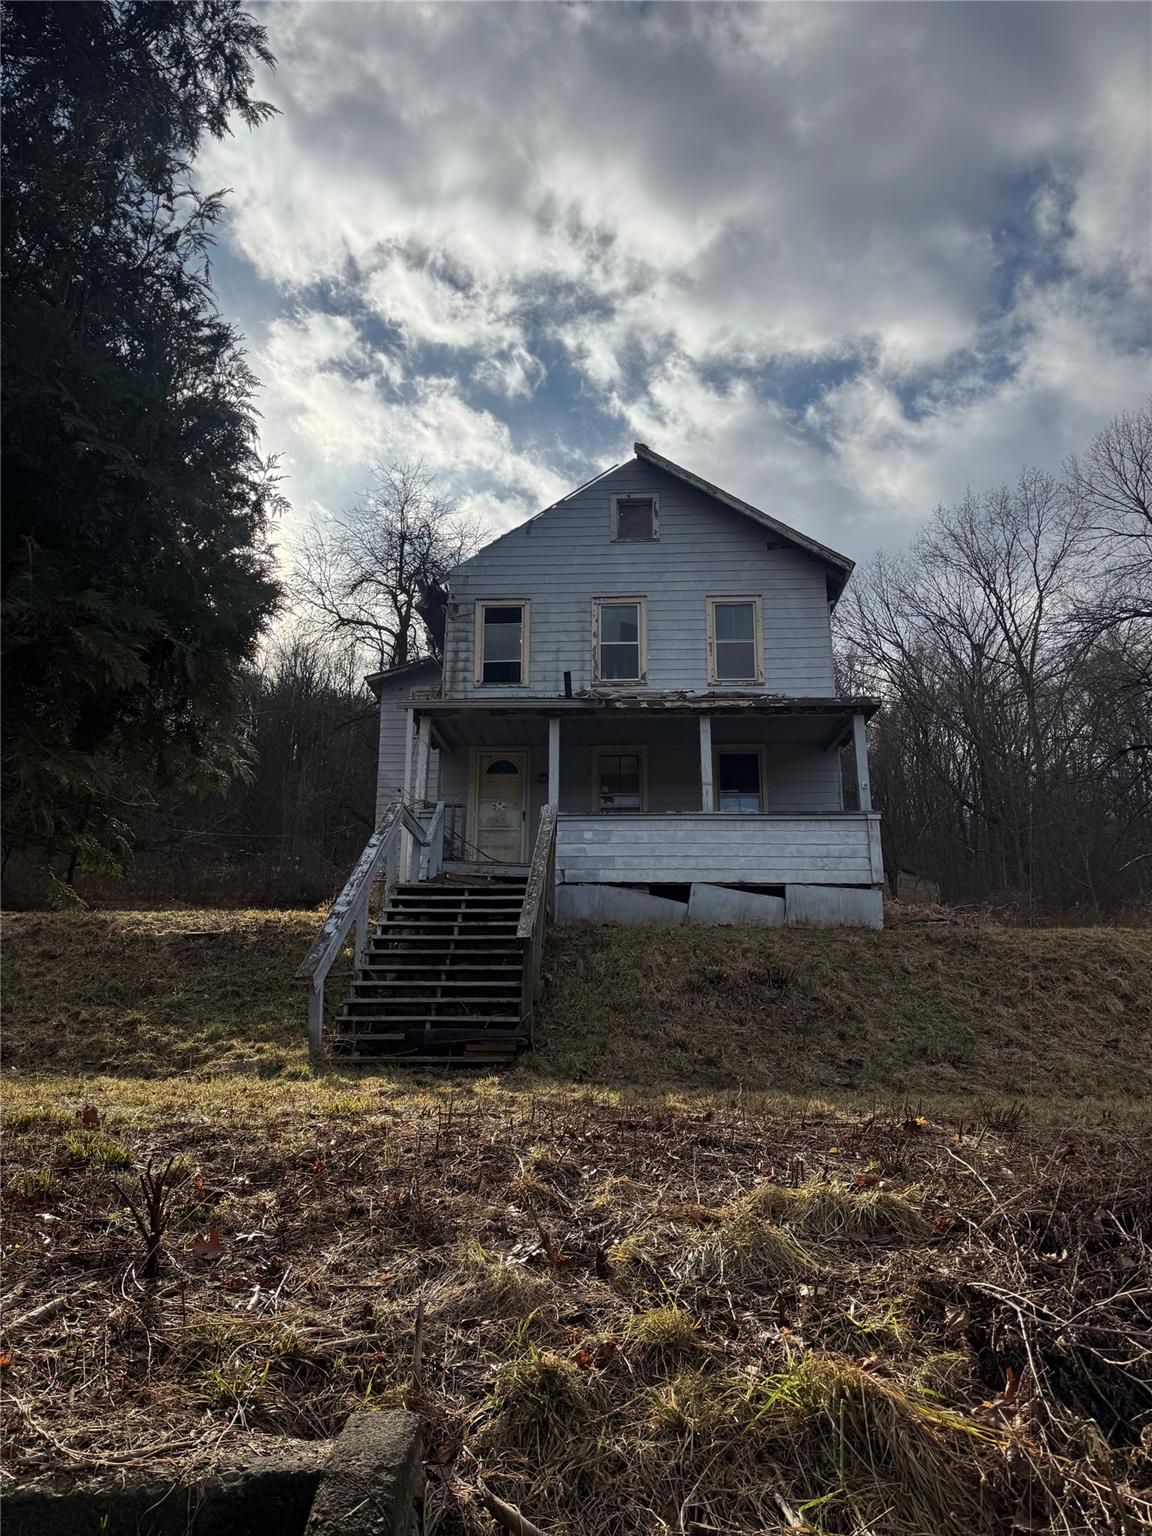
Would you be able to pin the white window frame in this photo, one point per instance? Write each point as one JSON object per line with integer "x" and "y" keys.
{"x": 757, "y": 640}
{"x": 741, "y": 749}
{"x": 600, "y": 603}
{"x": 607, "y": 750}
{"x": 482, "y": 604}
{"x": 652, "y": 496}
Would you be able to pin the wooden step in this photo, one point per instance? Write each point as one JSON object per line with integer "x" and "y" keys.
{"x": 448, "y": 1021}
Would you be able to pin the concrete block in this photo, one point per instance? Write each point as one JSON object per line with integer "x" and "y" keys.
{"x": 616, "y": 906}
{"x": 713, "y": 906}
{"x": 833, "y": 906}
{"x": 265, "y": 1496}
{"x": 373, "y": 1484}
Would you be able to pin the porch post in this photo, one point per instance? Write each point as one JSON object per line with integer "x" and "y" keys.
{"x": 707, "y": 797}
{"x": 554, "y": 760}
{"x": 423, "y": 743}
{"x": 860, "y": 741}
{"x": 404, "y": 861}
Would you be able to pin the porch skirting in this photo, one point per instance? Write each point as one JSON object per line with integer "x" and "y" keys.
{"x": 719, "y": 906}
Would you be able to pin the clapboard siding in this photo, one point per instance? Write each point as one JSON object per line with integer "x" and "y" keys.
{"x": 724, "y": 849}
{"x": 564, "y": 559}
{"x": 394, "y": 699}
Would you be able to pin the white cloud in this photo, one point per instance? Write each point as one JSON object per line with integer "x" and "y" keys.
{"x": 321, "y": 388}
{"x": 651, "y": 192}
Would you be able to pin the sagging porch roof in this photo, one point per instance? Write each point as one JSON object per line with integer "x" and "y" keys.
{"x": 618, "y": 702}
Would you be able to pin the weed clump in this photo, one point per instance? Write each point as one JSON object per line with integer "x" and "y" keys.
{"x": 491, "y": 1287}
{"x": 98, "y": 1150}
{"x": 663, "y": 1332}
{"x": 538, "y": 1400}
{"x": 890, "y": 1457}
{"x": 693, "y": 1403}
{"x": 745, "y": 1246}
{"x": 831, "y": 1212}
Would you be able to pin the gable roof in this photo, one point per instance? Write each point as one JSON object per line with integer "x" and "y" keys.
{"x": 840, "y": 563}
{"x": 839, "y": 566}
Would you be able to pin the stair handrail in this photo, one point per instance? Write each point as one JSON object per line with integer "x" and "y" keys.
{"x": 352, "y": 904}
{"x": 539, "y": 899}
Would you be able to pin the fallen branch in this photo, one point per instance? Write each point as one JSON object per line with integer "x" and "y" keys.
{"x": 507, "y": 1515}
{"x": 45, "y": 1311}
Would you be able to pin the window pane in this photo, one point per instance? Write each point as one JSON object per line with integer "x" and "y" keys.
{"x": 635, "y": 519}
{"x": 738, "y": 775}
{"x": 736, "y": 660}
{"x": 619, "y": 781}
{"x": 620, "y": 621}
{"x": 501, "y": 671}
{"x": 620, "y": 661}
{"x": 735, "y": 621}
{"x": 502, "y": 641}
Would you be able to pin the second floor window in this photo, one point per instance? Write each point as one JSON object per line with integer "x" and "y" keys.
{"x": 734, "y": 644}
{"x": 502, "y": 643}
{"x": 620, "y": 640}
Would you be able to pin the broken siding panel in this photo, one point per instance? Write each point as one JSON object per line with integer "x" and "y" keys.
{"x": 565, "y": 559}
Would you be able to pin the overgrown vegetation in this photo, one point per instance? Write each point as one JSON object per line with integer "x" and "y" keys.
{"x": 931, "y": 1011}
{"x": 957, "y": 1347}
{"x": 136, "y": 571}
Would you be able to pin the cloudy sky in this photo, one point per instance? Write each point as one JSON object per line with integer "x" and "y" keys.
{"x": 844, "y": 260}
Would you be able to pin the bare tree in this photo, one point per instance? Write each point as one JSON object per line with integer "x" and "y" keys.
{"x": 374, "y": 574}
{"x": 1012, "y": 647}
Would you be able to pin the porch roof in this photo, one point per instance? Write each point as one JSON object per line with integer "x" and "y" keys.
{"x": 635, "y": 703}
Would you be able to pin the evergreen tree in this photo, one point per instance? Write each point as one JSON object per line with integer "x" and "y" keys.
{"x": 136, "y": 573}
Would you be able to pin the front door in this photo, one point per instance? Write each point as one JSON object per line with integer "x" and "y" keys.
{"x": 500, "y": 801}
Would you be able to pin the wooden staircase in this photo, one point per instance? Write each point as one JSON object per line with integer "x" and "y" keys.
{"x": 451, "y": 970}
{"x": 441, "y": 978}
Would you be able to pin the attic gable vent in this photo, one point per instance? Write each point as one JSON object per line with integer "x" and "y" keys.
{"x": 635, "y": 519}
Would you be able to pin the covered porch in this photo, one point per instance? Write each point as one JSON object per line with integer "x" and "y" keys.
{"x": 657, "y": 791}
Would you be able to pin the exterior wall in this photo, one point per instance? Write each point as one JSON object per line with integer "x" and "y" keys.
{"x": 726, "y": 849}
{"x": 394, "y": 701}
{"x": 564, "y": 559}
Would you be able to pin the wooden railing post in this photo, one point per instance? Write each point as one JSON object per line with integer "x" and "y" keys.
{"x": 349, "y": 909}
{"x": 534, "y": 914}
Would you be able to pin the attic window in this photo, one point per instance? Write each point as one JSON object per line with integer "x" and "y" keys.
{"x": 635, "y": 519}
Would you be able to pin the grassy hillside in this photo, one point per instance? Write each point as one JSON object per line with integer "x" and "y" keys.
{"x": 940, "y": 1011}
{"x": 673, "y": 1271}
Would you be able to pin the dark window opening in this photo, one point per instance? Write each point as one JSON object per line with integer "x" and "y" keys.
{"x": 635, "y": 519}
{"x": 738, "y": 781}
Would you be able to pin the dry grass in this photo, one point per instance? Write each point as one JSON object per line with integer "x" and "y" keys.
{"x": 658, "y": 1280}
{"x": 940, "y": 1013}
{"x": 977, "y": 1360}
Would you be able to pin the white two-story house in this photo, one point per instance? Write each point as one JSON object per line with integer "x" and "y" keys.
{"x": 653, "y": 656}
{"x": 635, "y": 721}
